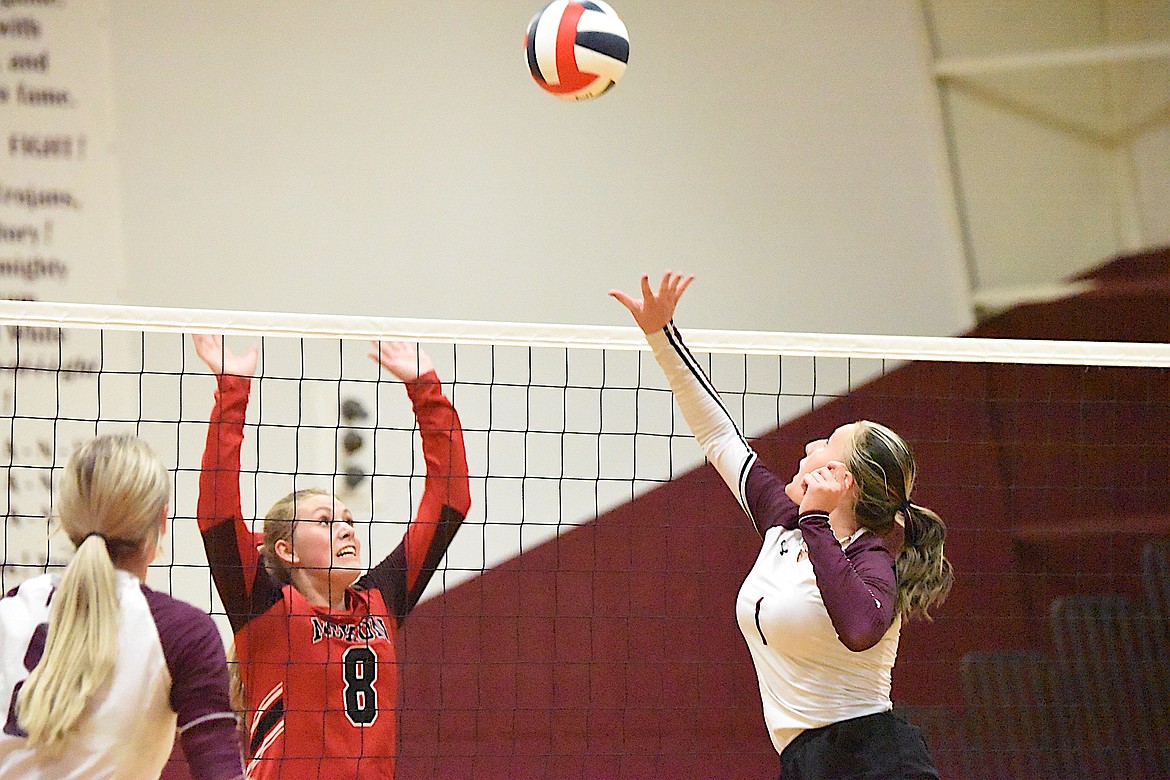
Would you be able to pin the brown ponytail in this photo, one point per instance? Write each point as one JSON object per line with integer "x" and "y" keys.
{"x": 924, "y": 574}
{"x": 883, "y": 468}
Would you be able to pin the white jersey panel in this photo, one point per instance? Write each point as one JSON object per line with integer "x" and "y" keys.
{"x": 129, "y": 730}
{"x": 808, "y": 678}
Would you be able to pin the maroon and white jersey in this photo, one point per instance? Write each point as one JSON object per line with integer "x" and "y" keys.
{"x": 321, "y": 685}
{"x": 170, "y": 673}
{"x": 817, "y": 614}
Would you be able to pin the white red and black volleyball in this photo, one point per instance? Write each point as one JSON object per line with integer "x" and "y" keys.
{"x": 577, "y": 49}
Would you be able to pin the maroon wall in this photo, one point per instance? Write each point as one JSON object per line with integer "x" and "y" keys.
{"x": 609, "y": 652}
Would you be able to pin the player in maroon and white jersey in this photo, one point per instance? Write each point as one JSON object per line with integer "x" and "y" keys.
{"x": 846, "y": 555}
{"x": 96, "y": 669}
{"x": 314, "y": 636}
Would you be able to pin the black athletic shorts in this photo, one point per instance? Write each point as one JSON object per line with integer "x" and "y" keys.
{"x": 872, "y": 747}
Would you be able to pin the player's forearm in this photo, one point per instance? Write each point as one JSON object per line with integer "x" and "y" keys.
{"x": 227, "y": 541}
{"x": 403, "y": 574}
{"x": 212, "y": 750}
{"x": 443, "y": 448}
{"x": 219, "y": 476}
{"x": 703, "y": 410}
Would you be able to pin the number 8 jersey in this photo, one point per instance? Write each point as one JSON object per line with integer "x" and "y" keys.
{"x": 321, "y": 685}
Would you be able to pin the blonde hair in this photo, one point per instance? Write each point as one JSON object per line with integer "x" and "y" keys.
{"x": 278, "y": 526}
{"x": 238, "y": 698}
{"x": 883, "y": 466}
{"x": 113, "y": 494}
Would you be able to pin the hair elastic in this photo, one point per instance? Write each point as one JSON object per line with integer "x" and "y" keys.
{"x": 904, "y": 507}
{"x": 99, "y": 535}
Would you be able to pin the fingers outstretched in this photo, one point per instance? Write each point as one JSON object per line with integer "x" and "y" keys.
{"x": 654, "y": 310}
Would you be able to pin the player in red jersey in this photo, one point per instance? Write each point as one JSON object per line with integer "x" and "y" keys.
{"x": 316, "y": 637}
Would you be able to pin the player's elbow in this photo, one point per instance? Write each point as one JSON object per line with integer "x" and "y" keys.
{"x": 461, "y": 502}
{"x": 859, "y": 643}
{"x": 860, "y": 637}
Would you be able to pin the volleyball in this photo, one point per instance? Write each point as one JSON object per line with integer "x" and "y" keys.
{"x": 577, "y": 50}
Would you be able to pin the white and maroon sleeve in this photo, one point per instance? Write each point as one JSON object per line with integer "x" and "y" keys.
{"x": 757, "y": 491}
{"x": 199, "y": 688}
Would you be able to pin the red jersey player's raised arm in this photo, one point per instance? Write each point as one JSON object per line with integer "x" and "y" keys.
{"x": 244, "y": 586}
{"x": 403, "y": 575}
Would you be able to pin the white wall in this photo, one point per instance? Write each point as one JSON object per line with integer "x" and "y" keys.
{"x": 394, "y": 158}
{"x": 1061, "y": 164}
{"x": 1152, "y": 160}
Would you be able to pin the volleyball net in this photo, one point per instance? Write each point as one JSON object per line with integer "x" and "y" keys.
{"x": 582, "y": 622}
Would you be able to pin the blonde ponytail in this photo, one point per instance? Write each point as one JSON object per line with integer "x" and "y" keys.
{"x": 113, "y": 497}
{"x": 80, "y": 651}
{"x": 238, "y": 697}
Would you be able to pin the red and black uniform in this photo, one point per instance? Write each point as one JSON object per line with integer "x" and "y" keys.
{"x": 321, "y": 684}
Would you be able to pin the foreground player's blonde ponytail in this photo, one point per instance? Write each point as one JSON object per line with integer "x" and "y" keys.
{"x": 113, "y": 497}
